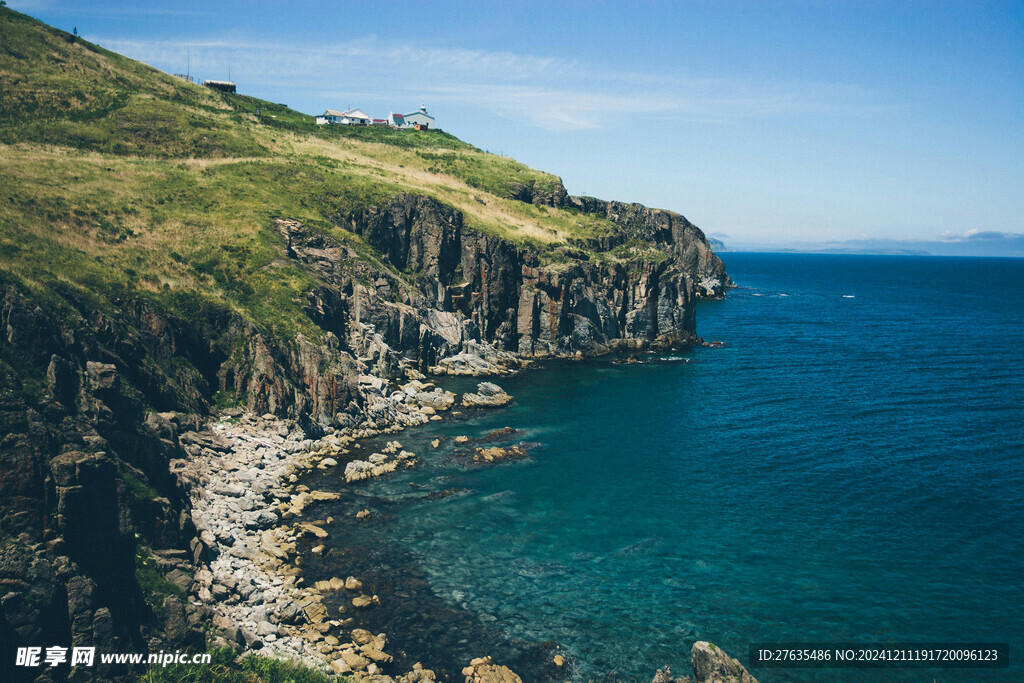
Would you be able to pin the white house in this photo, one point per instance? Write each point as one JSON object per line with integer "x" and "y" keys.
{"x": 416, "y": 118}
{"x": 349, "y": 117}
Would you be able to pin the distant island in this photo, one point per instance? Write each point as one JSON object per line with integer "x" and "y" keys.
{"x": 969, "y": 244}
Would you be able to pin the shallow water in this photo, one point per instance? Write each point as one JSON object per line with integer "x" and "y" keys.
{"x": 849, "y": 467}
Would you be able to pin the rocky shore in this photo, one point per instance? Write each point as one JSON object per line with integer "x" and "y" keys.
{"x": 241, "y": 474}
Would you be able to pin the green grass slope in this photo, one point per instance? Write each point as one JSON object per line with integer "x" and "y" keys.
{"x": 119, "y": 178}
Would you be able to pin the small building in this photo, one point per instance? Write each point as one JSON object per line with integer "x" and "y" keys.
{"x": 223, "y": 86}
{"x": 349, "y": 117}
{"x": 421, "y": 120}
{"x": 380, "y": 122}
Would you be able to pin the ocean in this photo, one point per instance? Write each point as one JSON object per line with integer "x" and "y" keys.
{"x": 848, "y": 467}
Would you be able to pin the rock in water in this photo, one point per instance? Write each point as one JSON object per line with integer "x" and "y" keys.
{"x": 713, "y": 665}
{"x": 666, "y": 677}
{"x": 488, "y": 395}
{"x": 484, "y": 670}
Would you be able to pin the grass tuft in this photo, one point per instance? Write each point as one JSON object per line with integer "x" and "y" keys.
{"x": 226, "y": 667}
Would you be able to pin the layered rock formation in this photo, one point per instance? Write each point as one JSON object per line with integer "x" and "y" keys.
{"x": 482, "y": 294}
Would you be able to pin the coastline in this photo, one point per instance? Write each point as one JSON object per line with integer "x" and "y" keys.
{"x": 258, "y": 587}
{"x": 241, "y": 476}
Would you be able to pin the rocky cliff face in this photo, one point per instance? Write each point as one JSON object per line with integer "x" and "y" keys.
{"x": 83, "y": 471}
{"x": 108, "y": 388}
{"x": 683, "y": 240}
{"x": 476, "y": 287}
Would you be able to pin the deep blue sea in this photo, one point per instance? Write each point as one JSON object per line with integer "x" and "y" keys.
{"x": 849, "y": 467}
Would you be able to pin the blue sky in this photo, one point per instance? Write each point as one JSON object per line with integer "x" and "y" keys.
{"x": 765, "y": 122}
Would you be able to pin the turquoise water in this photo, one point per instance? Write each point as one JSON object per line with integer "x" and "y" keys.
{"x": 849, "y": 467}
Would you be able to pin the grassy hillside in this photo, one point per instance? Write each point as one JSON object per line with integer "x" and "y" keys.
{"x": 118, "y": 177}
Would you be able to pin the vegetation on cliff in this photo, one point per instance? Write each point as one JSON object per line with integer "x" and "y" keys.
{"x": 119, "y": 177}
{"x": 225, "y": 668}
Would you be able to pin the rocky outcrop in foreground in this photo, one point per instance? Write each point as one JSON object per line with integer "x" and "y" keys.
{"x": 710, "y": 665}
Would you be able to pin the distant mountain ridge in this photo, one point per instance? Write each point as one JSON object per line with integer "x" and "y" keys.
{"x": 971, "y": 244}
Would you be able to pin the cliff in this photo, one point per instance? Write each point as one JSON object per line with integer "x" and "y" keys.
{"x": 168, "y": 251}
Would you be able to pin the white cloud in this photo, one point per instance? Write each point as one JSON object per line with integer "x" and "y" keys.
{"x": 30, "y": 5}
{"x": 550, "y": 92}
{"x": 80, "y": 9}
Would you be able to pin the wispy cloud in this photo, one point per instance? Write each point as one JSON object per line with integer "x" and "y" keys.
{"x": 30, "y": 5}
{"x": 550, "y": 92}
{"x": 980, "y": 236}
{"x": 83, "y": 9}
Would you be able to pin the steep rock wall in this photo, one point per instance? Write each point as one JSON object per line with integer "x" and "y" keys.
{"x": 683, "y": 240}
{"x": 501, "y": 294}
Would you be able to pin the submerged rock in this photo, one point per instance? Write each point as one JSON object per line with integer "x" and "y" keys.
{"x": 497, "y": 454}
{"x": 379, "y": 464}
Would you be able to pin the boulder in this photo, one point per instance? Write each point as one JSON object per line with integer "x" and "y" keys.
{"x": 484, "y": 670}
{"x": 436, "y": 400}
{"x": 417, "y": 675}
{"x": 179, "y": 579}
{"x": 488, "y": 395}
{"x": 361, "y": 636}
{"x": 665, "y": 676}
{"x": 354, "y": 661}
{"x": 713, "y": 665}
{"x": 265, "y": 628}
{"x": 466, "y": 364}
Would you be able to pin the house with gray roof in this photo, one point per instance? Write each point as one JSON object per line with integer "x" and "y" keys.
{"x": 349, "y": 117}
{"x": 417, "y": 118}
